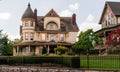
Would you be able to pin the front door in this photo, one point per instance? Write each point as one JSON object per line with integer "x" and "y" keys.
{"x": 52, "y": 49}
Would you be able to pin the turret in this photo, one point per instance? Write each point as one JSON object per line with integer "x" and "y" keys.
{"x": 28, "y": 13}
{"x": 28, "y": 24}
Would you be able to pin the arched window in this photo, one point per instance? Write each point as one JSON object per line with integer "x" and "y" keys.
{"x": 51, "y": 26}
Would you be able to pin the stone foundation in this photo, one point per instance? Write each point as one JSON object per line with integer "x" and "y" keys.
{"x": 6, "y": 68}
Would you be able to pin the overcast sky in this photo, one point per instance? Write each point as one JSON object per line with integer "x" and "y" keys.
{"x": 88, "y": 12}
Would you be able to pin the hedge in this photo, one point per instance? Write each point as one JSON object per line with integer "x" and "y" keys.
{"x": 70, "y": 61}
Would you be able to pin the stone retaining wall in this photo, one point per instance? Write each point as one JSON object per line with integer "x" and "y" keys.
{"x": 6, "y": 68}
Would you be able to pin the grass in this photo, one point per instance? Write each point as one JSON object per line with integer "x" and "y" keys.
{"x": 101, "y": 62}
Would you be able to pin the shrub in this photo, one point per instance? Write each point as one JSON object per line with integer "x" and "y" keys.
{"x": 24, "y": 60}
{"x": 70, "y": 53}
{"x": 44, "y": 50}
{"x": 61, "y": 49}
{"x": 75, "y": 62}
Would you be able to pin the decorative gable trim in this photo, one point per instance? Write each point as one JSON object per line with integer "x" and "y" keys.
{"x": 52, "y": 13}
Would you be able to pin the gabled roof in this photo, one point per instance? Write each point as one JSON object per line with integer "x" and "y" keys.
{"x": 28, "y": 13}
{"x": 67, "y": 21}
{"x": 114, "y": 6}
{"x": 52, "y": 13}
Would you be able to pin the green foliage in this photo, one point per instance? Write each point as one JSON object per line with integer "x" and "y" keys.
{"x": 75, "y": 62}
{"x": 61, "y": 49}
{"x": 16, "y": 41}
{"x": 6, "y": 46}
{"x": 24, "y": 60}
{"x": 85, "y": 40}
{"x": 44, "y": 50}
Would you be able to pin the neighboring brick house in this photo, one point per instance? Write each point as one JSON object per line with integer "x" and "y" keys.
{"x": 49, "y": 31}
{"x": 110, "y": 20}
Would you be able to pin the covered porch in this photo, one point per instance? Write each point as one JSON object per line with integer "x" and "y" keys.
{"x": 105, "y": 33}
{"x": 36, "y": 47}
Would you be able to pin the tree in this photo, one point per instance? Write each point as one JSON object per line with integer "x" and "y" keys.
{"x": 16, "y": 41}
{"x": 61, "y": 49}
{"x": 85, "y": 40}
{"x": 1, "y": 45}
{"x": 7, "y": 46}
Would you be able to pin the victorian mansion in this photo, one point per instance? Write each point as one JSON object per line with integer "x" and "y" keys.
{"x": 49, "y": 31}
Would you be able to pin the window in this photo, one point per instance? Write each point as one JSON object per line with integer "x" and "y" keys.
{"x": 61, "y": 37}
{"x": 52, "y": 37}
{"x": 31, "y": 36}
{"x": 26, "y": 36}
{"x": 51, "y": 26}
{"x": 31, "y": 24}
{"x": 43, "y": 36}
{"x": 26, "y": 24}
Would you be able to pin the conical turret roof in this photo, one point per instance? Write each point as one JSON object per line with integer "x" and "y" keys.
{"x": 28, "y": 13}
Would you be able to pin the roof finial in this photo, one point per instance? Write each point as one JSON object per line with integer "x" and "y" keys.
{"x": 29, "y": 4}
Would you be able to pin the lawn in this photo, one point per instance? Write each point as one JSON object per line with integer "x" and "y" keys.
{"x": 101, "y": 62}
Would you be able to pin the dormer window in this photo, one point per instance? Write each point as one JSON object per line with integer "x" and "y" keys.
{"x": 51, "y": 26}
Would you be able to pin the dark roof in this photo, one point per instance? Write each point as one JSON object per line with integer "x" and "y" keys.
{"x": 115, "y": 6}
{"x": 108, "y": 28}
{"x": 28, "y": 13}
{"x": 67, "y": 21}
{"x": 42, "y": 43}
{"x": 69, "y": 25}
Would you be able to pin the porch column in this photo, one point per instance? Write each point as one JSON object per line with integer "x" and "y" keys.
{"x": 17, "y": 50}
{"x": 56, "y": 51}
{"x": 48, "y": 49}
{"x": 29, "y": 49}
{"x": 37, "y": 50}
{"x": 104, "y": 38}
{"x": 41, "y": 48}
{"x": 14, "y": 51}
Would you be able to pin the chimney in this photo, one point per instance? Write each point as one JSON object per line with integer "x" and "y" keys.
{"x": 35, "y": 14}
{"x": 74, "y": 19}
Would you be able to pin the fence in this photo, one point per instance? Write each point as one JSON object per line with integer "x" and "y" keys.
{"x": 111, "y": 62}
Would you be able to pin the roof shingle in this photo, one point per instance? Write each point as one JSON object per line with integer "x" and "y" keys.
{"x": 115, "y": 6}
{"x": 28, "y": 13}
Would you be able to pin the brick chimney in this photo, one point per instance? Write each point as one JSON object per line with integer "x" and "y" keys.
{"x": 74, "y": 19}
{"x": 35, "y": 13}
